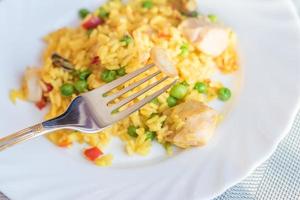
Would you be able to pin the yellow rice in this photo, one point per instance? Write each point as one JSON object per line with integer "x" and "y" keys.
{"x": 104, "y": 41}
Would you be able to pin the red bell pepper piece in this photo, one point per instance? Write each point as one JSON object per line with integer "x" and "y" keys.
{"x": 92, "y": 22}
{"x": 49, "y": 87}
{"x": 41, "y": 104}
{"x": 95, "y": 60}
{"x": 93, "y": 153}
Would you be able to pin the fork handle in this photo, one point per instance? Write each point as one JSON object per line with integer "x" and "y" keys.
{"x": 21, "y": 136}
{"x": 76, "y": 117}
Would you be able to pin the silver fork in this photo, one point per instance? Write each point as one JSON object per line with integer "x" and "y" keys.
{"x": 90, "y": 111}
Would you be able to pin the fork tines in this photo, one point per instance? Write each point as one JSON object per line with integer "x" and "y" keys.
{"x": 108, "y": 87}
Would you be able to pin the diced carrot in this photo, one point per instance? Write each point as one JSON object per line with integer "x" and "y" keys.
{"x": 164, "y": 35}
{"x": 64, "y": 143}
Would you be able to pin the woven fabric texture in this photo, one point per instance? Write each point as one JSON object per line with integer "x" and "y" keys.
{"x": 276, "y": 179}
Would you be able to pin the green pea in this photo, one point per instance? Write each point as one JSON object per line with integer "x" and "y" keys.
{"x": 150, "y": 135}
{"x": 67, "y": 89}
{"x": 103, "y": 13}
{"x": 184, "y": 49}
{"x": 179, "y": 91}
{"x": 108, "y": 75}
{"x": 172, "y": 101}
{"x": 224, "y": 94}
{"x": 155, "y": 101}
{"x": 81, "y": 86}
{"x": 84, "y": 74}
{"x": 200, "y": 87}
{"x": 121, "y": 71}
{"x": 132, "y": 131}
{"x": 212, "y": 18}
{"x": 126, "y": 40}
{"x": 83, "y": 13}
{"x": 147, "y": 4}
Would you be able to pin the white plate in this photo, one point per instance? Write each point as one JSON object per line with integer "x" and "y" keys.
{"x": 269, "y": 42}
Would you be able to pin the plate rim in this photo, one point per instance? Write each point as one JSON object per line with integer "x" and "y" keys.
{"x": 284, "y": 133}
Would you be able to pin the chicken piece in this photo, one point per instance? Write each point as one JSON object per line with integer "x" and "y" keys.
{"x": 31, "y": 84}
{"x": 200, "y": 122}
{"x": 208, "y": 37}
{"x": 163, "y": 61}
{"x": 191, "y": 28}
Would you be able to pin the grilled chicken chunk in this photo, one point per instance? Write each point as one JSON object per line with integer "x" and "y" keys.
{"x": 208, "y": 37}
{"x": 163, "y": 61}
{"x": 200, "y": 122}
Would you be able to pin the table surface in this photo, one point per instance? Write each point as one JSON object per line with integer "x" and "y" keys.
{"x": 277, "y": 178}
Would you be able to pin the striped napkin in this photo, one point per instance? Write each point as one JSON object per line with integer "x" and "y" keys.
{"x": 278, "y": 178}
{"x": 3, "y": 197}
